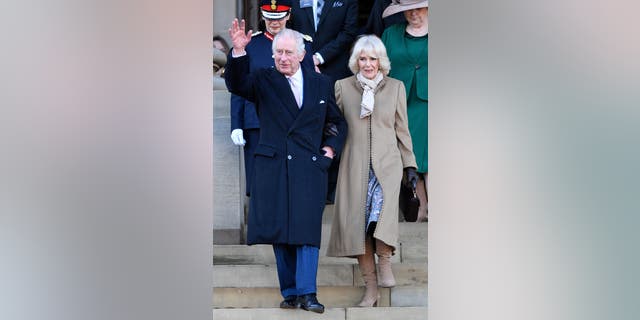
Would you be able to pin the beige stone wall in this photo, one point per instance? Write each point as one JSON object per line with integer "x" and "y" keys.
{"x": 225, "y": 10}
{"x": 223, "y": 13}
{"x": 228, "y": 197}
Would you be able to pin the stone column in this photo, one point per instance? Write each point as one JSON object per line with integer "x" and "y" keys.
{"x": 228, "y": 188}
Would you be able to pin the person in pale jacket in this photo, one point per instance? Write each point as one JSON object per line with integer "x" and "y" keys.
{"x": 377, "y": 152}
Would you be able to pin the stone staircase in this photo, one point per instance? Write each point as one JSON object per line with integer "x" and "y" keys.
{"x": 245, "y": 283}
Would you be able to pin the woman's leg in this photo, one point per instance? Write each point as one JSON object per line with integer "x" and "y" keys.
{"x": 384, "y": 252}
{"x": 367, "y": 265}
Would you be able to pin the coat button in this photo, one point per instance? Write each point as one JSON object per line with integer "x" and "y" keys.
{"x": 313, "y": 158}
{"x": 289, "y": 157}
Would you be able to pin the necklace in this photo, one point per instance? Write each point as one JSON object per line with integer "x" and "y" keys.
{"x": 417, "y": 32}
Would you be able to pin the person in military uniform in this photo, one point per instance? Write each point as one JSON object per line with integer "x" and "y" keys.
{"x": 245, "y": 126}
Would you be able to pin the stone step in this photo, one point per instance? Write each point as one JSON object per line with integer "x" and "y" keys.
{"x": 334, "y": 296}
{"x": 412, "y": 237}
{"x": 263, "y": 254}
{"x": 388, "y": 313}
{"x": 265, "y": 276}
{"x": 408, "y": 232}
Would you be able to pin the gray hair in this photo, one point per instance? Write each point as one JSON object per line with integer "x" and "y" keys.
{"x": 370, "y": 45}
{"x": 292, "y": 34}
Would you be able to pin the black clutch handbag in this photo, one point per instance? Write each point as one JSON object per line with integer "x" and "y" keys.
{"x": 409, "y": 203}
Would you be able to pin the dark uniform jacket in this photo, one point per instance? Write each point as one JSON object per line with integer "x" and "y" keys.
{"x": 290, "y": 170}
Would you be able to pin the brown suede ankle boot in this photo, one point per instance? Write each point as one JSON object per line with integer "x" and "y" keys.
{"x": 386, "y": 279}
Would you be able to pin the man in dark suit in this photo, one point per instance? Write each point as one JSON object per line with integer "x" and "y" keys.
{"x": 294, "y": 105}
{"x": 333, "y": 25}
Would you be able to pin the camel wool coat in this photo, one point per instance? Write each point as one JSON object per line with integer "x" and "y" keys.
{"x": 382, "y": 140}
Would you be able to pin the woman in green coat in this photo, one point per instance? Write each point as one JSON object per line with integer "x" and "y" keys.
{"x": 407, "y": 47}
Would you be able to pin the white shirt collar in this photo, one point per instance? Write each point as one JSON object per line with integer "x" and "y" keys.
{"x": 297, "y": 76}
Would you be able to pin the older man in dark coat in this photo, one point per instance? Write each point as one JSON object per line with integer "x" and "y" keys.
{"x": 294, "y": 105}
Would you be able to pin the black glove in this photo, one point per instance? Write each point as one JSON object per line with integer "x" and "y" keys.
{"x": 410, "y": 178}
{"x": 330, "y": 129}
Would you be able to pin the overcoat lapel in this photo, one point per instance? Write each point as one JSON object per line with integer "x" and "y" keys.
{"x": 309, "y": 13}
{"x": 310, "y": 89}
{"x": 287, "y": 99}
{"x": 310, "y": 95}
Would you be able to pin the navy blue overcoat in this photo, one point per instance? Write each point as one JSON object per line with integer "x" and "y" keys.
{"x": 290, "y": 171}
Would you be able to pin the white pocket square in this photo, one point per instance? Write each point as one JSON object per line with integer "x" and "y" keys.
{"x": 337, "y": 4}
{"x": 321, "y": 101}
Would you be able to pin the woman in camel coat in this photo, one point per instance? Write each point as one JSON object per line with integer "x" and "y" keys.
{"x": 377, "y": 149}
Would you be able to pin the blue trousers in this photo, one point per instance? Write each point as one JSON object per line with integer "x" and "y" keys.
{"x": 297, "y": 269}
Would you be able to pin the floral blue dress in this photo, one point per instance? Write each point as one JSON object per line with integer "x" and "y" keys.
{"x": 374, "y": 200}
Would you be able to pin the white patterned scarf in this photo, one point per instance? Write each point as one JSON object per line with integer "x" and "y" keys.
{"x": 368, "y": 96}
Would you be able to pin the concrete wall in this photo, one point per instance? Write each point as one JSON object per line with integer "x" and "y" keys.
{"x": 228, "y": 192}
{"x": 223, "y": 13}
{"x": 228, "y": 186}
{"x": 225, "y": 10}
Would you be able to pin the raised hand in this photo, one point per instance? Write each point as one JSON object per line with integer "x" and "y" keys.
{"x": 239, "y": 38}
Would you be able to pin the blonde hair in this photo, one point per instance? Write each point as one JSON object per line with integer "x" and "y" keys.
{"x": 373, "y": 46}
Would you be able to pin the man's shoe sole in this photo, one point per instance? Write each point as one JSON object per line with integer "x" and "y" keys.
{"x": 285, "y": 305}
{"x": 316, "y": 310}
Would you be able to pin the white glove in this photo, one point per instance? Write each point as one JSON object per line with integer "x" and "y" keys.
{"x": 237, "y": 138}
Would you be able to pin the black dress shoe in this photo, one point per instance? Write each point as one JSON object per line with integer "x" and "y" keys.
{"x": 290, "y": 302}
{"x": 309, "y": 302}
